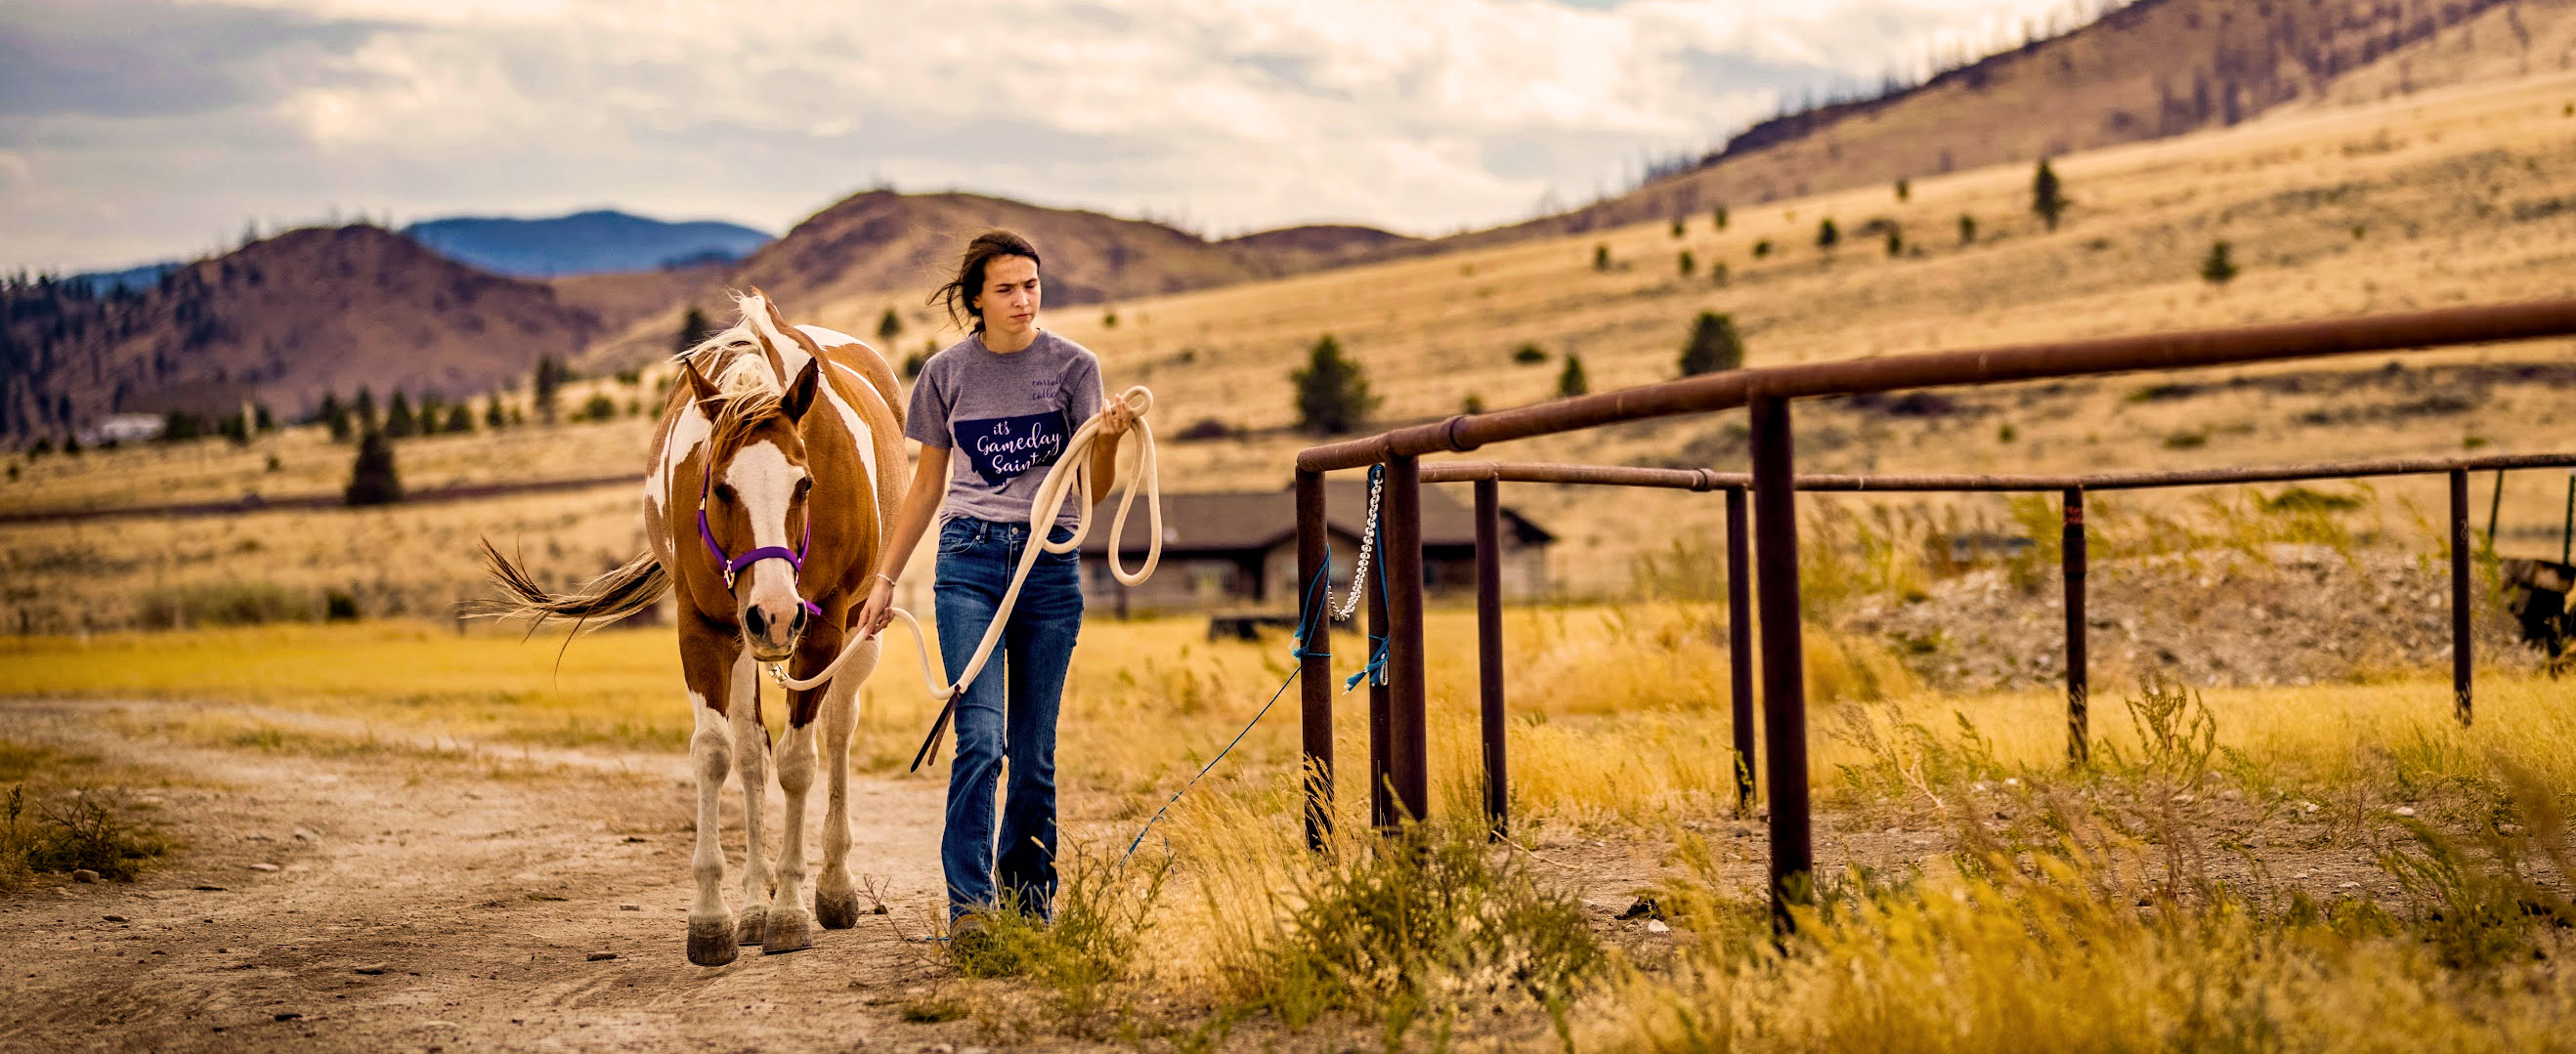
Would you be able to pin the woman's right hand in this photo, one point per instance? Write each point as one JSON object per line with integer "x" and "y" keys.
{"x": 878, "y": 608}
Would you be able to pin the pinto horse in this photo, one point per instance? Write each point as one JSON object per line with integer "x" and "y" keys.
{"x": 775, "y": 476}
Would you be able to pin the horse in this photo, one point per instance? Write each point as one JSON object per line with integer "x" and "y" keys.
{"x": 773, "y": 481}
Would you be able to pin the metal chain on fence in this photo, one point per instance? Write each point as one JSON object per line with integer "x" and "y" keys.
{"x": 1368, "y": 547}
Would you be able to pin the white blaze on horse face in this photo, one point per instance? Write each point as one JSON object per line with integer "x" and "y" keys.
{"x": 764, "y": 481}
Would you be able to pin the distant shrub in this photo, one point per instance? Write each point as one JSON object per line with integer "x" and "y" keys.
{"x": 1967, "y": 229}
{"x": 1601, "y": 257}
{"x": 1529, "y": 355}
{"x": 1572, "y": 382}
{"x": 1717, "y": 272}
{"x": 889, "y": 326}
{"x": 1109, "y": 319}
{"x": 599, "y": 408}
{"x": 1827, "y": 236}
{"x": 693, "y": 329}
{"x": 85, "y": 833}
{"x": 546, "y": 388}
{"x": 2303, "y": 500}
{"x": 1895, "y": 240}
{"x": 1687, "y": 264}
{"x": 1678, "y": 229}
{"x": 1904, "y": 190}
{"x": 2217, "y": 268}
{"x": 373, "y": 479}
{"x": 1472, "y": 404}
{"x": 339, "y": 606}
{"x": 1719, "y": 214}
{"x": 1332, "y": 395}
{"x": 493, "y": 417}
{"x": 912, "y": 364}
{"x": 1206, "y": 428}
{"x": 1762, "y": 248}
{"x": 2047, "y": 195}
{"x": 399, "y": 422}
{"x": 459, "y": 419}
{"x": 1714, "y": 345}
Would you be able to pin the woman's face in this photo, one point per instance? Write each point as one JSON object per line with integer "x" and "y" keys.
{"x": 1009, "y": 299}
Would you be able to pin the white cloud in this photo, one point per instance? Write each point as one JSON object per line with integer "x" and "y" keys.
{"x": 1423, "y": 116}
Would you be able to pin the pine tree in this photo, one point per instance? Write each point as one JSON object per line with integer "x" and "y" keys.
{"x": 2217, "y": 268}
{"x": 398, "y": 418}
{"x": 1714, "y": 345}
{"x": 335, "y": 416}
{"x": 460, "y": 418}
{"x": 1689, "y": 265}
{"x": 693, "y": 329}
{"x": 889, "y": 327}
{"x": 547, "y": 387}
{"x": 367, "y": 423}
{"x": 1600, "y": 257}
{"x": 2047, "y": 195}
{"x": 1827, "y": 235}
{"x": 1904, "y": 190}
{"x": 1572, "y": 382}
{"x": 492, "y": 415}
{"x": 1967, "y": 229}
{"x": 373, "y": 479}
{"x": 1332, "y": 395}
{"x": 1719, "y": 214}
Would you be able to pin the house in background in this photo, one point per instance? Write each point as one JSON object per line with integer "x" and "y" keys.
{"x": 1237, "y": 550}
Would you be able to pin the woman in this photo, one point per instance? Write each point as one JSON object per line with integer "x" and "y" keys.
{"x": 1007, "y": 398}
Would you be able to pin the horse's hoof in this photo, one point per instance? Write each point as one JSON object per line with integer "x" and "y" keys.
{"x": 751, "y": 927}
{"x": 709, "y": 944}
{"x": 789, "y": 931}
{"x": 836, "y": 910}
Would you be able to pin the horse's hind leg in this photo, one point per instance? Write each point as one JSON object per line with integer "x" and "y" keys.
{"x": 708, "y": 662}
{"x": 751, "y": 762}
{"x": 836, "y": 899}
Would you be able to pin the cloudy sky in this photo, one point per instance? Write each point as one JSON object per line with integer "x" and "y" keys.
{"x": 133, "y": 130}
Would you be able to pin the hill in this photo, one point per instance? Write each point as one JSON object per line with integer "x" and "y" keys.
{"x": 595, "y": 242}
{"x": 2150, "y": 70}
{"x": 881, "y": 249}
{"x": 283, "y": 320}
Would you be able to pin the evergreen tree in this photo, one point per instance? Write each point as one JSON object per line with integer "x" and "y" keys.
{"x": 1714, "y": 345}
{"x": 1967, "y": 229}
{"x": 1904, "y": 190}
{"x": 1600, "y": 257}
{"x": 2217, "y": 268}
{"x": 1827, "y": 235}
{"x": 889, "y": 327}
{"x": 1332, "y": 396}
{"x": 1689, "y": 265}
{"x": 1895, "y": 240}
{"x": 398, "y": 417}
{"x": 1572, "y": 382}
{"x": 373, "y": 479}
{"x": 2047, "y": 195}
{"x": 1719, "y": 214}
{"x": 492, "y": 416}
{"x": 335, "y": 416}
{"x": 693, "y": 329}
{"x": 460, "y": 418}
{"x": 367, "y": 423}
{"x": 548, "y": 387}
{"x": 1678, "y": 230}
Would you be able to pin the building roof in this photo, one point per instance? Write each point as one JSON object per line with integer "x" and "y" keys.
{"x": 1254, "y": 520}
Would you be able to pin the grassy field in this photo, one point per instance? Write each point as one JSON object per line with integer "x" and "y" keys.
{"x": 2318, "y": 865}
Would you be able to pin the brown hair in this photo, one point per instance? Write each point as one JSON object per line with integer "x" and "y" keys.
{"x": 958, "y": 296}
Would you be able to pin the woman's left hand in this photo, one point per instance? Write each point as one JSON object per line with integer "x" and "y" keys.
{"x": 1115, "y": 419}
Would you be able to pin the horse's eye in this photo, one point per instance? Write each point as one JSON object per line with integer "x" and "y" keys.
{"x": 724, "y": 492}
{"x": 804, "y": 487}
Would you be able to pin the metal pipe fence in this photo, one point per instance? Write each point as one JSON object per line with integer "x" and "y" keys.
{"x": 1400, "y": 784}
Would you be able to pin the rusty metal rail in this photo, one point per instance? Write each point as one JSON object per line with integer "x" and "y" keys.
{"x": 1396, "y": 718}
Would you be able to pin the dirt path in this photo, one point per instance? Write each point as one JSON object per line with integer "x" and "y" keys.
{"x": 482, "y": 901}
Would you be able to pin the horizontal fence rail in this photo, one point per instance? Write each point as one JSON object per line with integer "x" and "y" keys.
{"x": 1397, "y": 696}
{"x": 2183, "y": 349}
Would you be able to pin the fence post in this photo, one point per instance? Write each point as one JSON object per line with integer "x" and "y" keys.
{"x": 1381, "y": 706}
{"x": 1784, "y": 668}
{"x": 2463, "y": 650}
{"x": 1489, "y": 653}
{"x": 1315, "y": 664}
{"x": 1409, "y": 732}
{"x": 1739, "y": 642}
{"x": 2079, "y": 746}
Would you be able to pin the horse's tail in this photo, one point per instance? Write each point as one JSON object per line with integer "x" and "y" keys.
{"x": 598, "y": 602}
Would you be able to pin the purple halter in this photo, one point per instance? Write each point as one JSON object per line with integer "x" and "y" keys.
{"x": 734, "y": 565}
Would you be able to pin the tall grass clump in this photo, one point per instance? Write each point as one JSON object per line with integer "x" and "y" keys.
{"x": 1087, "y": 951}
{"x": 81, "y": 831}
{"x": 1417, "y": 929}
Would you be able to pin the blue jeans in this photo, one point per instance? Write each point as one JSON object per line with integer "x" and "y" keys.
{"x": 1008, "y": 713}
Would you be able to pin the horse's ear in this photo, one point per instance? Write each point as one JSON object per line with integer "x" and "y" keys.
{"x": 800, "y": 395}
{"x": 700, "y": 389}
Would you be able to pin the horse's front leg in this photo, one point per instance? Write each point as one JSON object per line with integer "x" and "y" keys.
{"x": 707, "y": 664}
{"x": 836, "y": 899}
{"x": 751, "y": 762}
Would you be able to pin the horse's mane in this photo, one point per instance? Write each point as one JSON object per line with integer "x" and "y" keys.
{"x": 749, "y": 392}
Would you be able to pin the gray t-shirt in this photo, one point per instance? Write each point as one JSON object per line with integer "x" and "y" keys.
{"x": 1006, "y": 419}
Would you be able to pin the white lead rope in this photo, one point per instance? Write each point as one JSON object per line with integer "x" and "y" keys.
{"x": 1072, "y": 465}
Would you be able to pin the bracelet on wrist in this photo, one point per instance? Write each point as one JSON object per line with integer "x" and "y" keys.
{"x": 890, "y": 584}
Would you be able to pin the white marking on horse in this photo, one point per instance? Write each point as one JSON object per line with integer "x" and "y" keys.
{"x": 688, "y": 432}
{"x": 763, "y": 481}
